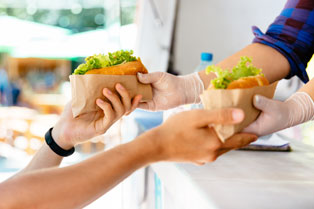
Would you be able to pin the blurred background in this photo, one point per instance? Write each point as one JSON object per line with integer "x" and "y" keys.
{"x": 42, "y": 42}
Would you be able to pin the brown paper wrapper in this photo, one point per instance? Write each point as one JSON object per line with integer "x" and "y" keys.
{"x": 240, "y": 98}
{"x": 86, "y": 89}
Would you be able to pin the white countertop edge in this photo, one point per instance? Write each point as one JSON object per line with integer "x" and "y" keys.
{"x": 183, "y": 188}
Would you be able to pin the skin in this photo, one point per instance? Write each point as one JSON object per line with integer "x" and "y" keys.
{"x": 93, "y": 124}
{"x": 168, "y": 87}
{"x": 78, "y": 185}
{"x": 309, "y": 88}
{"x": 262, "y": 56}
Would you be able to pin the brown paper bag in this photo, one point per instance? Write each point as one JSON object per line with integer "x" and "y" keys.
{"x": 87, "y": 88}
{"x": 240, "y": 98}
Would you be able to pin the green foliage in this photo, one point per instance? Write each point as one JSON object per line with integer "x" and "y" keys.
{"x": 101, "y": 61}
{"x": 84, "y": 21}
{"x": 81, "y": 22}
{"x": 244, "y": 68}
{"x": 128, "y": 15}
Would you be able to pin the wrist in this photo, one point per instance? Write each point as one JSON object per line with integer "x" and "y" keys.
{"x": 192, "y": 87}
{"x": 300, "y": 107}
{"x": 150, "y": 145}
{"x": 206, "y": 78}
{"x": 60, "y": 138}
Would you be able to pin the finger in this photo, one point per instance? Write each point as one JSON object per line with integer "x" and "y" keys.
{"x": 107, "y": 109}
{"x": 125, "y": 97}
{"x": 200, "y": 163}
{"x": 253, "y": 128}
{"x": 263, "y": 103}
{"x": 239, "y": 140}
{"x": 115, "y": 102}
{"x": 223, "y": 151}
{"x": 143, "y": 105}
{"x": 136, "y": 101}
{"x": 147, "y": 106}
{"x": 150, "y": 78}
{"x": 202, "y": 118}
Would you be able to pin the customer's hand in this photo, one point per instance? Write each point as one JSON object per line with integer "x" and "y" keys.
{"x": 70, "y": 131}
{"x": 170, "y": 91}
{"x": 277, "y": 115}
{"x": 189, "y": 137}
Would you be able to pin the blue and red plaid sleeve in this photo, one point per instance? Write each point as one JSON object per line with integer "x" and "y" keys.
{"x": 292, "y": 34}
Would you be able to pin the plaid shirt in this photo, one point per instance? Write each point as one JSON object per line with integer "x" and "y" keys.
{"x": 292, "y": 34}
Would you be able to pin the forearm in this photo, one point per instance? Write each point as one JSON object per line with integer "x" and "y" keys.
{"x": 300, "y": 105}
{"x": 308, "y": 88}
{"x": 275, "y": 66}
{"x": 45, "y": 157}
{"x": 77, "y": 185}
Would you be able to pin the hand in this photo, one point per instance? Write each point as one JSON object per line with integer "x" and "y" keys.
{"x": 188, "y": 137}
{"x": 70, "y": 131}
{"x": 277, "y": 115}
{"x": 170, "y": 91}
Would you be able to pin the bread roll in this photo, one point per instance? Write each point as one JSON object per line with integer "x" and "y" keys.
{"x": 248, "y": 82}
{"x": 129, "y": 68}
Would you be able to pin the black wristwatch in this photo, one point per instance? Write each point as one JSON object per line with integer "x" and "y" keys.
{"x": 55, "y": 147}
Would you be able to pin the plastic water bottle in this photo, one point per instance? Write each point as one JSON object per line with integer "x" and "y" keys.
{"x": 206, "y": 60}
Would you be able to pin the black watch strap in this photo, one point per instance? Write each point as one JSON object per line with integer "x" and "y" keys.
{"x": 55, "y": 147}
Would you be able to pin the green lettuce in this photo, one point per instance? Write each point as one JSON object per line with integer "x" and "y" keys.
{"x": 244, "y": 68}
{"x": 101, "y": 61}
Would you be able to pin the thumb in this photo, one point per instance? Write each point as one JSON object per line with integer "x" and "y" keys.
{"x": 266, "y": 106}
{"x": 150, "y": 78}
{"x": 202, "y": 118}
{"x": 147, "y": 106}
{"x": 262, "y": 103}
{"x": 143, "y": 105}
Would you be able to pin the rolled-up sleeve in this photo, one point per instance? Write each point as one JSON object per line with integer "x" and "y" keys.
{"x": 292, "y": 34}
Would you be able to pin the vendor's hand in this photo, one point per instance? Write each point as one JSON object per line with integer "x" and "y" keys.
{"x": 170, "y": 91}
{"x": 277, "y": 115}
{"x": 70, "y": 131}
{"x": 188, "y": 137}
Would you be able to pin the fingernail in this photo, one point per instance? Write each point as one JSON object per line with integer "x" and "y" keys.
{"x": 100, "y": 101}
{"x": 121, "y": 87}
{"x": 108, "y": 91}
{"x": 257, "y": 99}
{"x": 237, "y": 115}
{"x": 139, "y": 74}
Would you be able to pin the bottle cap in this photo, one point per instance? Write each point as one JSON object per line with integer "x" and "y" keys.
{"x": 206, "y": 56}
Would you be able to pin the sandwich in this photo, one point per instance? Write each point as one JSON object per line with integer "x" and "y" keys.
{"x": 236, "y": 88}
{"x": 116, "y": 63}
{"x": 244, "y": 75}
{"x": 105, "y": 71}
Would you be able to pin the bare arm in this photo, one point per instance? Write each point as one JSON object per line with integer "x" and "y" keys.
{"x": 44, "y": 158}
{"x": 275, "y": 66}
{"x": 309, "y": 88}
{"x": 170, "y": 91}
{"x": 68, "y": 131}
{"x": 77, "y": 185}
{"x": 80, "y": 184}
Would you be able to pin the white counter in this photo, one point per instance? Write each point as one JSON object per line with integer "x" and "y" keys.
{"x": 244, "y": 180}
